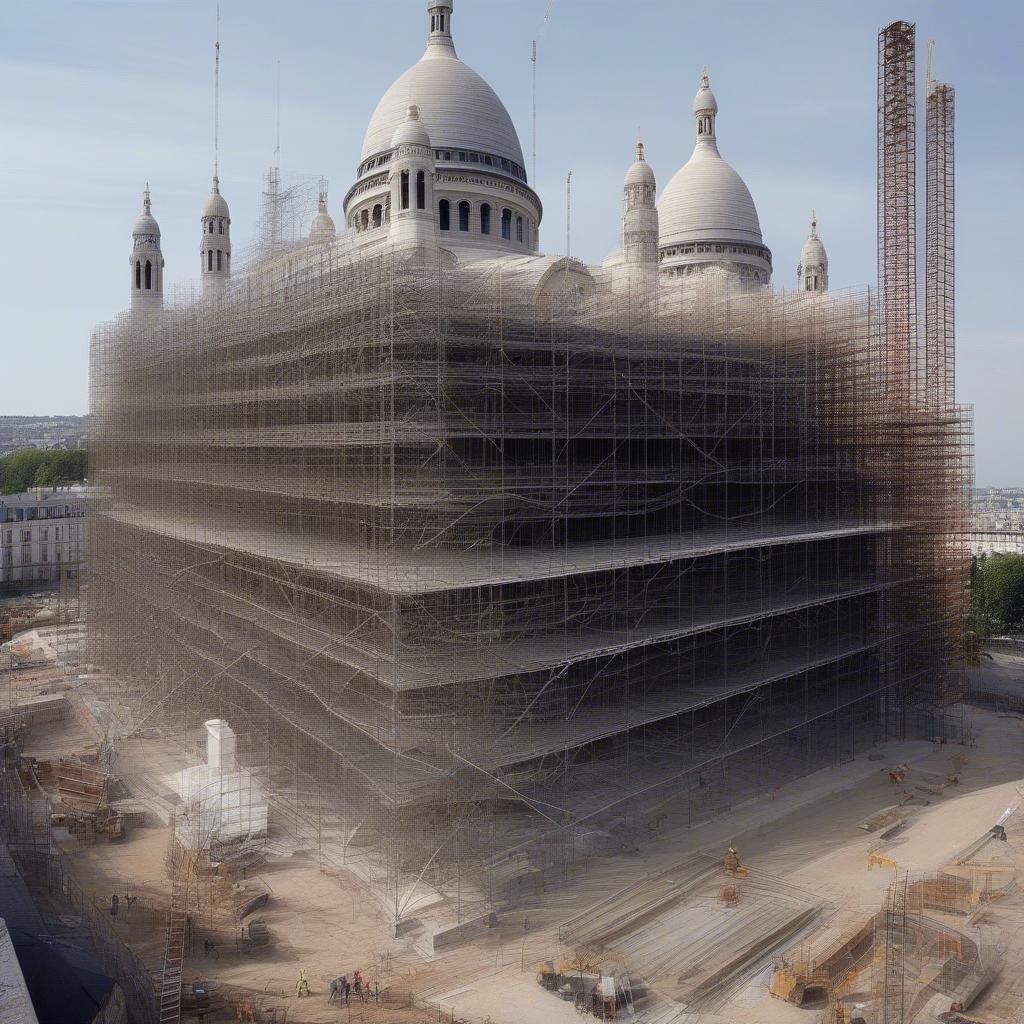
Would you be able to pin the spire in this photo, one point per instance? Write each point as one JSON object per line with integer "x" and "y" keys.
{"x": 216, "y": 102}
{"x": 215, "y": 242}
{"x": 439, "y": 33}
{"x": 812, "y": 272}
{"x": 639, "y": 213}
{"x": 146, "y": 262}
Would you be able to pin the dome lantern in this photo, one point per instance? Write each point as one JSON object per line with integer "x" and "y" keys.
{"x": 440, "y": 34}
{"x": 705, "y": 107}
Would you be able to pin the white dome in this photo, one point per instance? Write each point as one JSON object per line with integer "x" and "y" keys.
{"x": 215, "y": 205}
{"x": 707, "y": 200}
{"x": 458, "y": 109}
{"x": 145, "y": 223}
{"x": 640, "y": 173}
{"x": 411, "y": 131}
{"x": 705, "y": 100}
{"x": 813, "y": 251}
{"x": 322, "y": 228}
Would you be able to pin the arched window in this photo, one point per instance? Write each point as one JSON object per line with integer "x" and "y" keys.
{"x": 209, "y": 259}
{"x": 519, "y": 229}
{"x": 138, "y": 274}
{"x": 421, "y": 191}
{"x": 218, "y": 260}
{"x": 364, "y": 219}
{"x": 444, "y": 215}
{"x": 485, "y": 218}
{"x": 149, "y": 275}
{"x": 506, "y": 224}
{"x": 404, "y": 199}
{"x": 211, "y": 227}
{"x": 378, "y": 215}
{"x": 220, "y": 225}
{"x": 463, "y": 216}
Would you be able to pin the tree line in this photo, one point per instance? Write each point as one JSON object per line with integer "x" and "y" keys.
{"x": 42, "y": 467}
{"x": 997, "y": 595}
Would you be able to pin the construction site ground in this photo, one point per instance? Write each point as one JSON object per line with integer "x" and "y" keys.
{"x": 652, "y": 910}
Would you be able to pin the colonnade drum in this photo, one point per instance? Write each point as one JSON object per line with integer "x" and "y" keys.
{"x": 489, "y": 571}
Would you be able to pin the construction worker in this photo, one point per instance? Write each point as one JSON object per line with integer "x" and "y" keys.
{"x": 337, "y": 986}
{"x": 301, "y": 986}
{"x": 359, "y": 985}
{"x": 732, "y": 860}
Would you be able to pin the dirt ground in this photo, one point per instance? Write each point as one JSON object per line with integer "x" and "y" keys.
{"x": 802, "y": 846}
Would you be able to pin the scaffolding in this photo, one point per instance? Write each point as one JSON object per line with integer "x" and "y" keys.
{"x": 939, "y": 237}
{"x": 490, "y": 564}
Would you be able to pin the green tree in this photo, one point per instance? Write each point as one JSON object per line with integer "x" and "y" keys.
{"x": 38, "y": 467}
{"x": 997, "y": 594}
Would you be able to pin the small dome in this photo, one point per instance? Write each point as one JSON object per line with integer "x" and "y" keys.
{"x": 813, "y": 251}
{"x": 705, "y": 98}
{"x": 640, "y": 173}
{"x": 322, "y": 229}
{"x": 145, "y": 223}
{"x": 411, "y": 131}
{"x": 215, "y": 205}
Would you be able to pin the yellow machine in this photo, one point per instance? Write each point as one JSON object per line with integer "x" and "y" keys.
{"x": 732, "y": 863}
{"x": 876, "y": 860}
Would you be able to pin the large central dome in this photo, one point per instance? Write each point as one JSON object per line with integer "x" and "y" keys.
{"x": 470, "y": 174}
{"x": 458, "y": 108}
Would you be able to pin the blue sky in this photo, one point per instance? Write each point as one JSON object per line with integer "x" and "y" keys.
{"x": 99, "y": 96}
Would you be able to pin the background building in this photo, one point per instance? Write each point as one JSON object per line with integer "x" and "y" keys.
{"x": 42, "y": 536}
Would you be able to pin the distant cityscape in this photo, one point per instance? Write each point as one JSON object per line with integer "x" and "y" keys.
{"x": 997, "y": 521}
{"x": 42, "y": 432}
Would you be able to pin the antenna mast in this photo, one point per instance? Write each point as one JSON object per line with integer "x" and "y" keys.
{"x": 216, "y": 100}
{"x": 277, "y": 143}
{"x": 568, "y": 214}
{"x": 534, "y": 61}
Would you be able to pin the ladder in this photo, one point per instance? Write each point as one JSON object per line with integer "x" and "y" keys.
{"x": 893, "y": 966}
{"x": 169, "y": 992}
